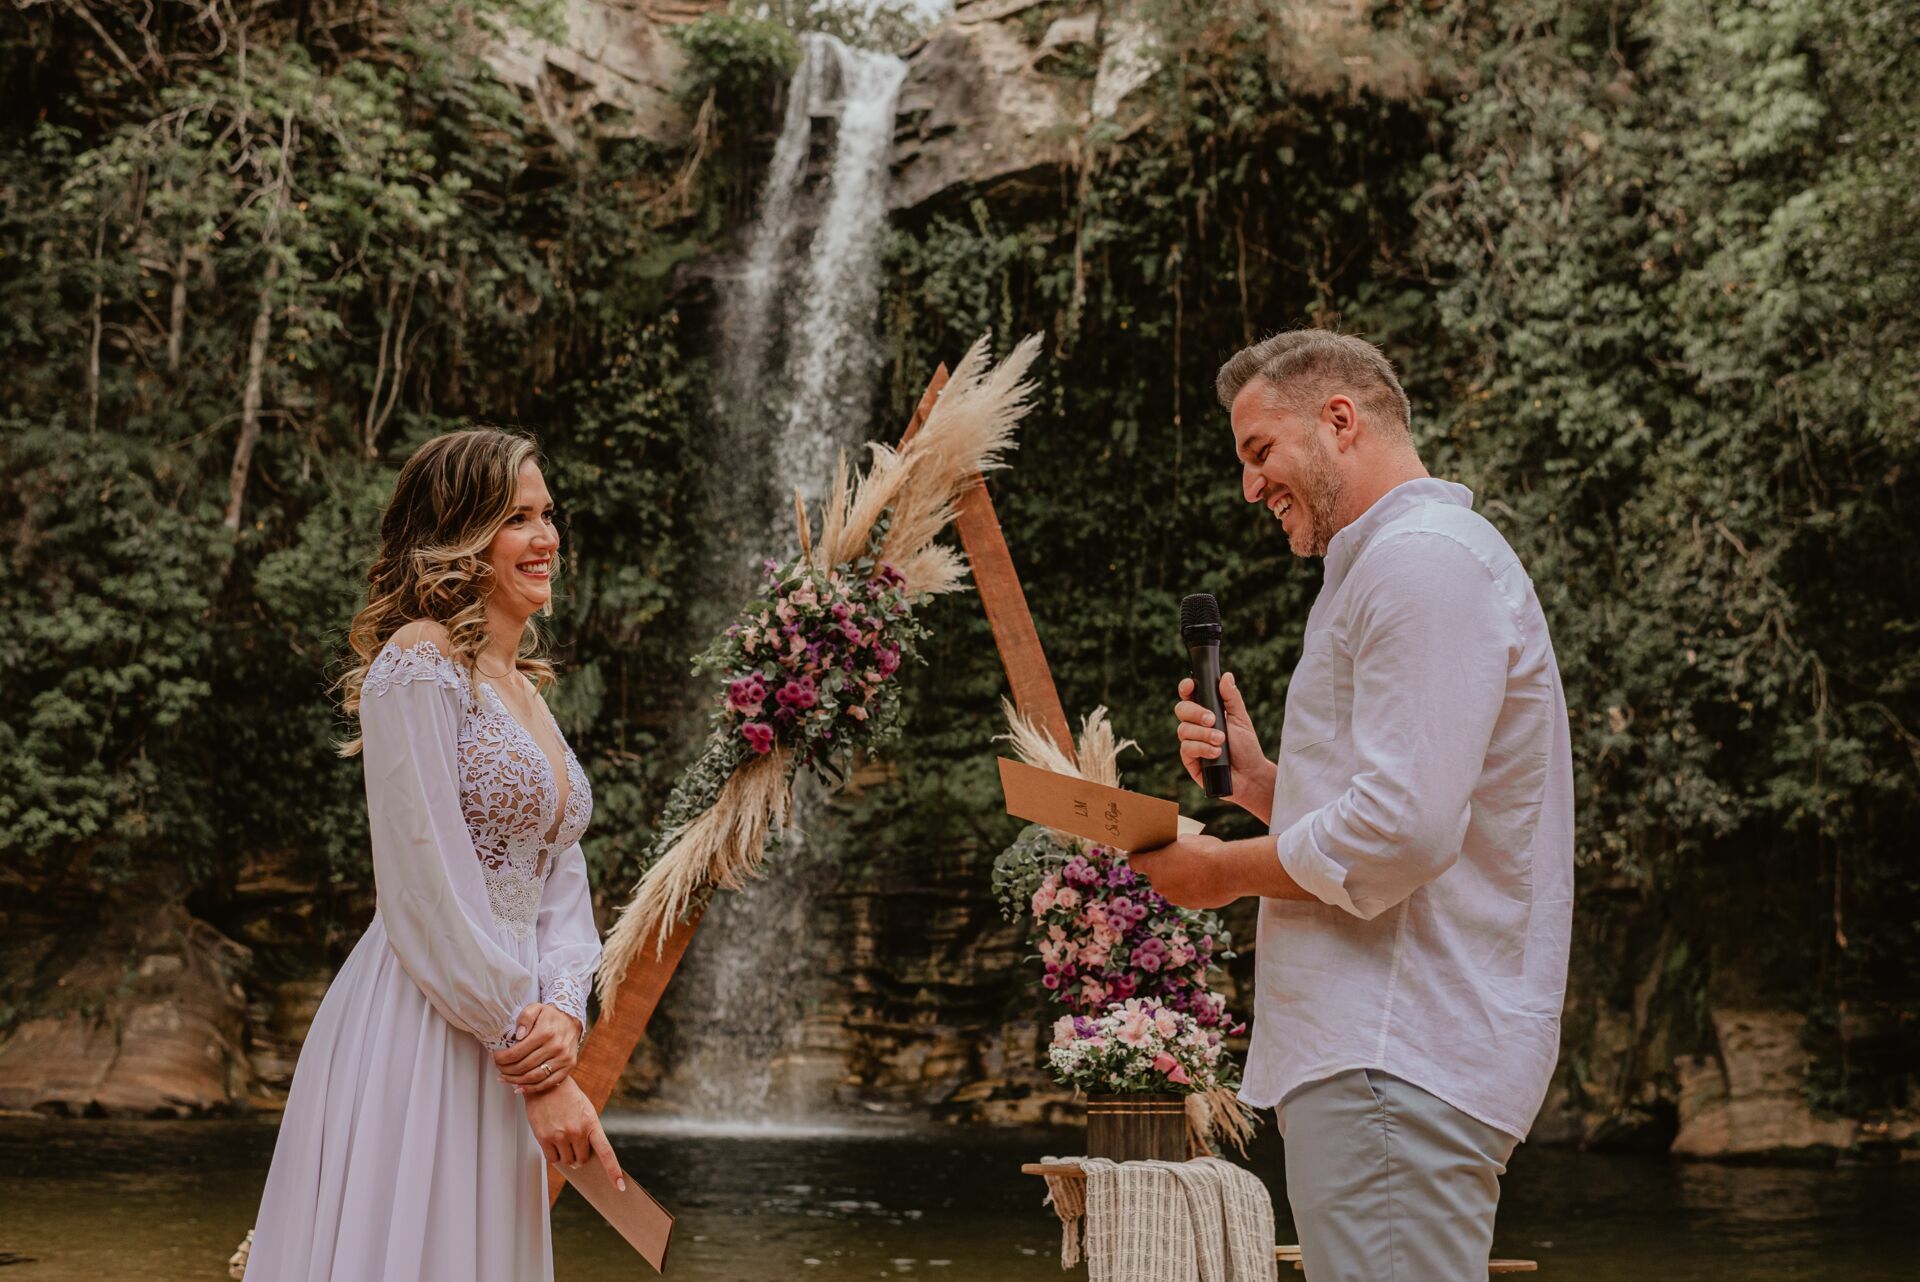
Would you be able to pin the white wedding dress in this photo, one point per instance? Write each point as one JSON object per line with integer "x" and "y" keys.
{"x": 402, "y": 1157}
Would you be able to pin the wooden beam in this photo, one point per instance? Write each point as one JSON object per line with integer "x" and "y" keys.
{"x": 1001, "y": 596}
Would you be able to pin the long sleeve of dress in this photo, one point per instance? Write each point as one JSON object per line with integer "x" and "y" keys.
{"x": 432, "y": 895}
{"x": 568, "y": 939}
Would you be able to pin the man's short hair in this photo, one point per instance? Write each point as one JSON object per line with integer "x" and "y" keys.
{"x": 1305, "y": 366}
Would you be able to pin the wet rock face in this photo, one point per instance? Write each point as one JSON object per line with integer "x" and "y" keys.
{"x": 148, "y": 1019}
{"x": 614, "y": 71}
{"x": 974, "y": 111}
{"x": 1750, "y": 1100}
{"x": 997, "y": 99}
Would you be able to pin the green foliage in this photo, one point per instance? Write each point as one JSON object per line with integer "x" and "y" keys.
{"x": 743, "y": 61}
{"x": 1679, "y": 320}
{"x": 352, "y": 236}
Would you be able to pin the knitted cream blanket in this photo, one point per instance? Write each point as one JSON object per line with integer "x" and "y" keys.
{"x": 1165, "y": 1221}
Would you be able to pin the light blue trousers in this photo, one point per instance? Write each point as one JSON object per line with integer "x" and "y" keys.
{"x": 1389, "y": 1183}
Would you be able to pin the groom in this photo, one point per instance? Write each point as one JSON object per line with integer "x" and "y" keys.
{"x": 1416, "y": 889}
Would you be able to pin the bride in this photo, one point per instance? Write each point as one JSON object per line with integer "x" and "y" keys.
{"x": 436, "y": 1082}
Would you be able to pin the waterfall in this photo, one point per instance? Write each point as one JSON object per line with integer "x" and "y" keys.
{"x": 798, "y": 359}
{"x": 799, "y": 349}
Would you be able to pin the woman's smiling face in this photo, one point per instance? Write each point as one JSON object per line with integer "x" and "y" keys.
{"x": 523, "y": 550}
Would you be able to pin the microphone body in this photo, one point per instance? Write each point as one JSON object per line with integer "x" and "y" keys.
{"x": 1200, "y": 629}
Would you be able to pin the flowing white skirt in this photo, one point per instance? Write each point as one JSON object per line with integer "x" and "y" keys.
{"x": 401, "y": 1157}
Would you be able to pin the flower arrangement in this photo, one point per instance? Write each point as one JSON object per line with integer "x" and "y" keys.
{"x": 808, "y": 672}
{"x": 808, "y": 668}
{"x": 1104, "y": 935}
{"x": 1101, "y": 932}
{"x": 1140, "y": 1045}
{"x": 1132, "y": 969}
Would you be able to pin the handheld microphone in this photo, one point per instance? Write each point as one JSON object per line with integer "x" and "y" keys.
{"x": 1200, "y": 629}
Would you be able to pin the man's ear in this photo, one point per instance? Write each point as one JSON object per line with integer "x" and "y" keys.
{"x": 1340, "y": 414}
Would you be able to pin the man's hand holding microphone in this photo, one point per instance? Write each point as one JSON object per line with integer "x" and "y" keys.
{"x": 1200, "y": 871}
{"x": 1201, "y": 740}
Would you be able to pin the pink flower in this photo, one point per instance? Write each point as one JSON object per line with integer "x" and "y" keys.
{"x": 1068, "y": 898}
{"x": 747, "y": 694}
{"x": 888, "y": 659}
{"x": 1135, "y": 1027}
{"x": 1042, "y": 899}
{"x": 759, "y": 736}
{"x": 1171, "y": 1067}
{"x": 1063, "y": 1030}
{"x": 857, "y": 711}
{"x": 798, "y": 694}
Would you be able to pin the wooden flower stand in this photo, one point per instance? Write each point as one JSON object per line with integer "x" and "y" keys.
{"x": 1282, "y": 1254}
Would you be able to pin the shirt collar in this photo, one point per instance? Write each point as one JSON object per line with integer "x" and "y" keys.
{"x": 1345, "y": 547}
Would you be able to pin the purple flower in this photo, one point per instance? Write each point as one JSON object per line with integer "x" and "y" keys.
{"x": 1119, "y": 875}
{"x": 759, "y": 736}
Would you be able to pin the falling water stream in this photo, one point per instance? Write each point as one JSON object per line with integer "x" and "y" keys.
{"x": 798, "y": 359}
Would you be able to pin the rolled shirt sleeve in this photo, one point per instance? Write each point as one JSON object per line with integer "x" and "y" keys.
{"x": 569, "y": 941}
{"x": 1432, "y": 644}
{"x": 431, "y": 892}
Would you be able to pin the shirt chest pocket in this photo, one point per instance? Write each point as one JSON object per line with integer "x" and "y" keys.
{"x": 1317, "y": 696}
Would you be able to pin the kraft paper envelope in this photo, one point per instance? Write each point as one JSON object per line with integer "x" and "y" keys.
{"x": 1113, "y": 817}
{"x": 644, "y": 1223}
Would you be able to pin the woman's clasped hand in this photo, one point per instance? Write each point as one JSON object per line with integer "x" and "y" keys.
{"x": 545, "y": 1049}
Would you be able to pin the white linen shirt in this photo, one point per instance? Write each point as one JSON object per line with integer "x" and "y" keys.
{"x": 1424, "y": 797}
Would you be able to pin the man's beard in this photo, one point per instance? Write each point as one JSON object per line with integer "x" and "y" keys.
{"x": 1320, "y": 494}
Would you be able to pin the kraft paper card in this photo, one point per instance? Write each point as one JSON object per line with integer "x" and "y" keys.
{"x": 644, "y": 1223}
{"x": 1113, "y": 817}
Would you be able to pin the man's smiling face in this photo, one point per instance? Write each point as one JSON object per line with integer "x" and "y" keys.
{"x": 1286, "y": 468}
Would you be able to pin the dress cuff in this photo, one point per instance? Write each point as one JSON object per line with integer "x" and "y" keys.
{"x": 506, "y": 1037}
{"x": 567, "y": 993}
{"x": 1316, "y": 873}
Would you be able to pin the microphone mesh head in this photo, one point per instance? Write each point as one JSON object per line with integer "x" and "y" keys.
{"x": 1199, "y": 612}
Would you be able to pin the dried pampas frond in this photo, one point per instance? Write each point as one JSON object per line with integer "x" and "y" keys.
{"x": 1217, "y": 1113}
{"x": 916, "y": 485}
{"x": 721, "y": 847}
{"x": 1098, "y": 751}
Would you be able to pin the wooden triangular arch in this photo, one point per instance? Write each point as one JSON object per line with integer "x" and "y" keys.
{"x": 623, "y": 1021}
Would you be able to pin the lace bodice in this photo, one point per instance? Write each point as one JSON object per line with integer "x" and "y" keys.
{"x": 508, "y": 794}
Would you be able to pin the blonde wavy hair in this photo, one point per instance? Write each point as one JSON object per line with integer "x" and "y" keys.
{"x": 451, "y": 498}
